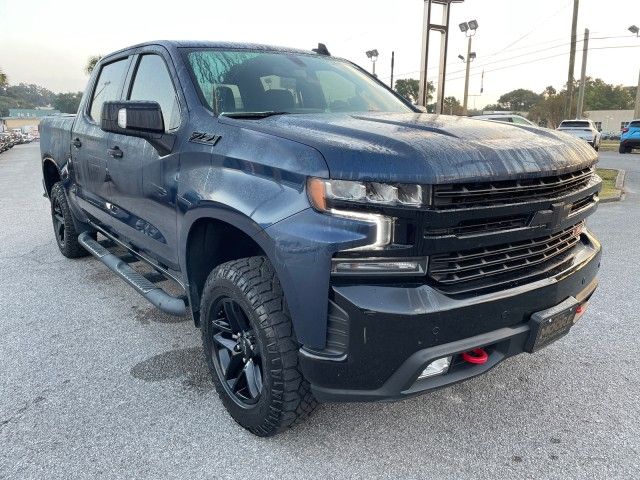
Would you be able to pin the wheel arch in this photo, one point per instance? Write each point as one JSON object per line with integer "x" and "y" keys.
{"x": 50, "y": 174}
{"x": 212, "y": 237}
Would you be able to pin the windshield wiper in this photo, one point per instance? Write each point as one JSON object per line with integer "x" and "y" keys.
{"x": 250, "y": 115}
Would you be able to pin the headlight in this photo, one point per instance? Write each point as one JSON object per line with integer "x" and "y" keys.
{"x": 337, "y": 197}
{"x": 334, "y": 197}
{"x": 325, "y": 193}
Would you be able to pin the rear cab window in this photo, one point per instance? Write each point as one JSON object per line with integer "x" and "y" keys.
{"x": 575, "y": 124}
{"x": 635, "y": 124}
{"x": 108, "y": 86}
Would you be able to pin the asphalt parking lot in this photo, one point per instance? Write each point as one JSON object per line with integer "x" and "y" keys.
{"x": 96, "y": 383}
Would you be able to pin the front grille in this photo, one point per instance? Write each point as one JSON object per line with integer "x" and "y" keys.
{"x": 496, "y": 265}
{"x": 480, "y": 226}
{"x": 464, "y": 195}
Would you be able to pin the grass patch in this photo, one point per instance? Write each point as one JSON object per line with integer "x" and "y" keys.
{"x": 609, "y": 189}
{"x": 609, "y": 145}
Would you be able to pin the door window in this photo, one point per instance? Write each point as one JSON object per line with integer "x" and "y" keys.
{"x": 107, "y": 87}
{"x": 153, "y": 83}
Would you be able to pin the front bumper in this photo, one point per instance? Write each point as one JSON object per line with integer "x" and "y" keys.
{"x": 395, "y": 331}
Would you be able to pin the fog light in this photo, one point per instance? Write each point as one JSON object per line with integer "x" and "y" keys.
{"x": 437, "y": 367}
{"x": 379, "y": 266}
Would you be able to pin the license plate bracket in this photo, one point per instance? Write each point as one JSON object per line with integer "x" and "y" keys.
{"x": 551, "y": 324}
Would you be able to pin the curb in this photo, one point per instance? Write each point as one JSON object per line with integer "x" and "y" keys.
{"x": 620, "y": 186}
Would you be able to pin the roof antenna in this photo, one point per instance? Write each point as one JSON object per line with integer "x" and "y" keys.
{"x": 322, "y": 50}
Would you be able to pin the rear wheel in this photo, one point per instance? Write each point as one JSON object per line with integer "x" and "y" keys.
{"x": 251, "y": 349}
{"x": 63, "y": 226}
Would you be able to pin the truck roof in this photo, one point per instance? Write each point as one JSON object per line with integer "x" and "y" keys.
{"x": 174, "y": 44}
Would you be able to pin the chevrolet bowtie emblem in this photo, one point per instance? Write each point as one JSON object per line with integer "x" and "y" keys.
{"x": 552, "y": 218}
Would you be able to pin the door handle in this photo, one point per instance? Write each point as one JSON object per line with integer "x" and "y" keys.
{"x": 76, "y": 142}
{"x": 115, "y": 152}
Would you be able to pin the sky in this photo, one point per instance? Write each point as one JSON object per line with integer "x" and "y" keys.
{"x": 519, "y": 44}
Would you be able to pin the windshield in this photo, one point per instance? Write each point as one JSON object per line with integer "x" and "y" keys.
{"x": 574, "y": 125}
{"x": 254, "y": 81}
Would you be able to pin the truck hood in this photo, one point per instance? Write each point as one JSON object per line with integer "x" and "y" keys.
{"x": 424, "y": 148}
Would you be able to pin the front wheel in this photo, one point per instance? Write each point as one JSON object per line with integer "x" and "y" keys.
{"x": 251, "y": 349}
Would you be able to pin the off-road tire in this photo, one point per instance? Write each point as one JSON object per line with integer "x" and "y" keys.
{"x": 68, "y": 244}
{"x": 285, "y": 398}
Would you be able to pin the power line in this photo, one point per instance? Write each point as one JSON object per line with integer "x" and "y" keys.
{"x": 544, "y": 58}
{"x": 520, "y": 55}
{"x": 535, "y": 28}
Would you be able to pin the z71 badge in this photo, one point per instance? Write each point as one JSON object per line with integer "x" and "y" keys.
{"x": 204, "y": 138}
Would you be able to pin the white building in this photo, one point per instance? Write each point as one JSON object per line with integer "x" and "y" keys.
{"x": 610, "y": 121}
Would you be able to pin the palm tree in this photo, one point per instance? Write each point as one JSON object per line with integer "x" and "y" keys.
{"x": 4, "y": 80}
{"x": 91, "y": 63}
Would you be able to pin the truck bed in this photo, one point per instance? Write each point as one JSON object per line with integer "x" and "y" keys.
{"x": 55, "y": 137}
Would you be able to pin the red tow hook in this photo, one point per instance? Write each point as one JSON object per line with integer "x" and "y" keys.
{"x": 477, "y": 356}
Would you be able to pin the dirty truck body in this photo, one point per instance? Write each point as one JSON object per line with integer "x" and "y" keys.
{"x": 333, "y": 242}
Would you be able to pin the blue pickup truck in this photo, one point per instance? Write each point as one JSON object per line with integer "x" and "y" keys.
{"x": 331, "y": 241}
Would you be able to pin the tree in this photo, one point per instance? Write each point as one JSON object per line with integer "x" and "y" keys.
{"x": 519, "y": 100}
{"x": 4, "y": 80}
{"x": 67, "y": 102}
{"x": 30, "y": 95}
{"x": 549, "y": 111}
{"x": 91, "y": 63}
{"x": 599, "y": 95}
{"x": 409, "y": 88}
{"x": 451, "y": 106}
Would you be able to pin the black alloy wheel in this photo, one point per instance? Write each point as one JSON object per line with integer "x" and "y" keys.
{"x": 235, "y": 352}
{"x": 57, "y": 217}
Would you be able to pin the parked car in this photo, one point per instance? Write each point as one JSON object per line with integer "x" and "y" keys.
{"x": 4, "y": 142}
{"x": 9, "y": 140}
{"x": 333, "y": 242}
{"x": 507, "y": 118}
{"x": 630, "y": 137}
{"x": 583, "y": 129}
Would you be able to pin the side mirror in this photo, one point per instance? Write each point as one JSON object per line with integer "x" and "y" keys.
{"x": 137, "y": 119}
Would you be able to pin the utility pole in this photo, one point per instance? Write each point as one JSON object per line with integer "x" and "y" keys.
{"x": 636, "y": 113}
{"x": 583, "y": 76}
{"x": 393, "y": 55}
{"x": 572, "y": 59}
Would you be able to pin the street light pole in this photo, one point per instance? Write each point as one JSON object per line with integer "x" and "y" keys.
{"x": 373, "y": 56}
{"x": 469, "y": 29}
{"x": 465, "y": 102}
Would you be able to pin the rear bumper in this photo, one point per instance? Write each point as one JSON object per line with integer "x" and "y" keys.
{"x": 395, "y": 331}
{"x": 630, "y": 143}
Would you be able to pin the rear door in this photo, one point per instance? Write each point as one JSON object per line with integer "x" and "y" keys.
{"x": 143, "y": 183}
{"x": 88, "y": 142}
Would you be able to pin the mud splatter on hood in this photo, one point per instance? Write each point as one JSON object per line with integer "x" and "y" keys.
{"x": 425, "y": 148}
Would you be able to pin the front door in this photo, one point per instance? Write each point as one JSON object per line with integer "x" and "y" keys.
{"x": 144, "y": 184}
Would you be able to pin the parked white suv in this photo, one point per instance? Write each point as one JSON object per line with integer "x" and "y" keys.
{"x": 506, "y": 118}
{"x": 584, "y": 129}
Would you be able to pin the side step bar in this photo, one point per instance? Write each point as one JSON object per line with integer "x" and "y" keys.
{"x": 154, "y": 294}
